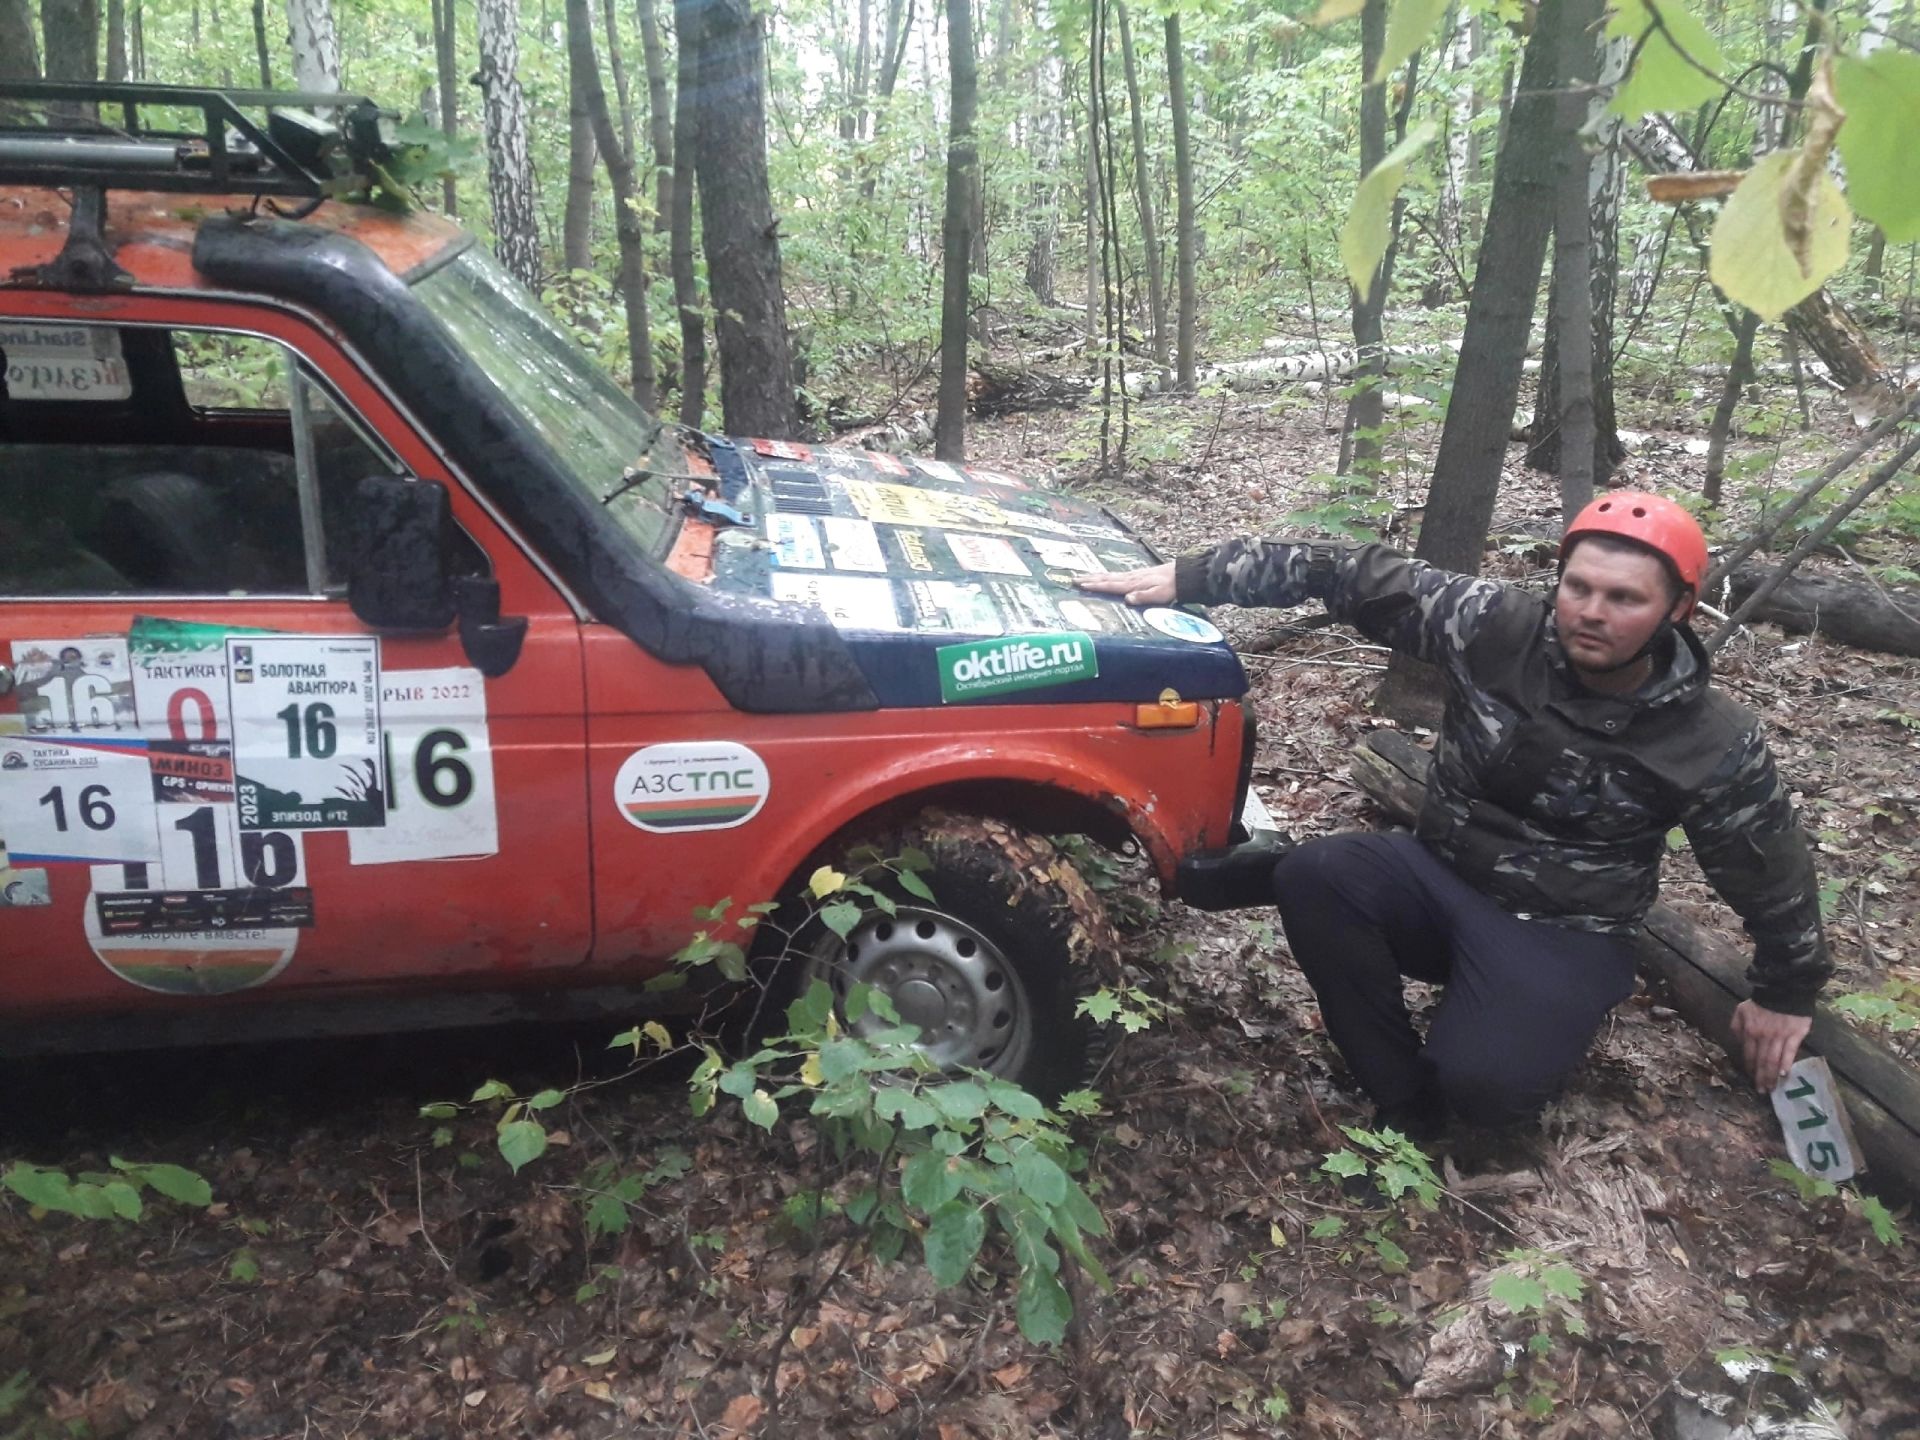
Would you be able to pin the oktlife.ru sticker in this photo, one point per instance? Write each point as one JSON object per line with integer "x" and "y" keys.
{"x": 306, "y": 731}
{"x": 691, "y": 785}
{"x": 983, "y": 669}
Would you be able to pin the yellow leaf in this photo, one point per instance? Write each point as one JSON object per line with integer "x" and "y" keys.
{"x": 1753, "y": 261}
{"x": 599, "y": 1358}
{"x": 1332, "y": 12}
{"x": 1277, "y": 1236}
{"x": 810, "y": 1070}
{"x": 657, "y": 1033}
{"x": 1408, "y": 28}
{"x": 1363, "y": 239}
{"x": 825, "y": 881}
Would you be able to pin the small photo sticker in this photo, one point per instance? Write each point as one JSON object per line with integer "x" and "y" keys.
{"x": 1182, "y": 625}
{"x": 691, "y": 785}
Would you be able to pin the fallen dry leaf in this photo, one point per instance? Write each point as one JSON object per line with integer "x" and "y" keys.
{"x": 1008, "y": 1376}
{"x": 743, "y": 1412}
{"x": 884, "y": 1400}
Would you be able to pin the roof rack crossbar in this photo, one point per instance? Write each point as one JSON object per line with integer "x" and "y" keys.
{"x": 73, "y": 148}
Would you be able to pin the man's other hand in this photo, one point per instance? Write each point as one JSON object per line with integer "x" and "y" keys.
{"x": 1769, "y": 1041}
{"x": 1150, "y": 585}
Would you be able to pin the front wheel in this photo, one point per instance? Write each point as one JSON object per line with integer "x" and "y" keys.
{"x": 992, "y": 968}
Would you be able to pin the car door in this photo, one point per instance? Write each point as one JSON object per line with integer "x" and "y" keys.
{"x": 214, "y": 779}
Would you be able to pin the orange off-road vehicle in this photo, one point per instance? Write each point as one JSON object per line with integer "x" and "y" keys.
{"x": 368, "y": 660}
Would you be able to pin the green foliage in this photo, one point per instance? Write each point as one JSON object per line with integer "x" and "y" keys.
{"x": 1364, "y": 238}
{"x": 1817, "y": 1193}
{"x": 1674, "y": 53}
{"x": 1881, "y": 95}
{"x": 1399, "y": 1167}
{"x": 98, "y": 1195}
{"x": 1893, "y": 1007}
{"x": 1754, "y": 259}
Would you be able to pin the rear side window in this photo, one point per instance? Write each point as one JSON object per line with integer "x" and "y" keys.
{"x": 183, "y": 462}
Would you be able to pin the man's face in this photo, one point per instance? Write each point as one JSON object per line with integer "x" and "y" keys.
{"x": 1609, "y": 604}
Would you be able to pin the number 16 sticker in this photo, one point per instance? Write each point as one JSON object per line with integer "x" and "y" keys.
{"x": 79, "y": 800}
{"x": 306, "y": 731}
{"x": 439, "y": 764}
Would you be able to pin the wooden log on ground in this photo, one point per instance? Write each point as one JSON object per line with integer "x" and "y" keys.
{"x": 1006, "y": 389}
{"x": 1853, "y": 612}
{"x": 1706, "y": 977}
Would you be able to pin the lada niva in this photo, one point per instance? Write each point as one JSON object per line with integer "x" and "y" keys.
{"x": 369, "y": 660}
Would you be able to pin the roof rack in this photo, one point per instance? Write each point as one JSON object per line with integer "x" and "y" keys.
{"x": 295, "y": 153}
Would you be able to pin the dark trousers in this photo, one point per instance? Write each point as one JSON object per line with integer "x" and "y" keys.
{"x": 1522, "y": 998}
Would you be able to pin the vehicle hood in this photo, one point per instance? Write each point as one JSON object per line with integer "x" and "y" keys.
{"x": 934, "y": 572}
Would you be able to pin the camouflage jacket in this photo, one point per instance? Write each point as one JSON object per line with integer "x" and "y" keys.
{"x": 1552, "y": 799}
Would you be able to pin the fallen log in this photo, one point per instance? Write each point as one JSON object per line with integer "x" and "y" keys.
{"x": 1706, "y": 976}
{"x": 1853, "y": 612}
{"x": 1006, "y": 389}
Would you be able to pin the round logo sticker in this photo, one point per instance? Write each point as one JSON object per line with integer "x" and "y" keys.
{"x": 1182, "y": 625}
{"x": 691, "y": 785}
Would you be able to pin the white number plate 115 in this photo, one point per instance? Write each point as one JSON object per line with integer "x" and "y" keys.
{"x": 1819, "y": 1140}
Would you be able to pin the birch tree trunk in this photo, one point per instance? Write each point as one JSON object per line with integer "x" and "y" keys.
{"x": 446, "y": 68}
{"x": 627, "y": 224}
{"x": 316, "y": 44}
{"x": 19, "y": 48}
{"x": 1185, "y": 235}
{"x": 1143, "y": 199}
{"x": 950, "y": 418}
{"x": 516, "y": 236}
{"x": 738, "y": 229}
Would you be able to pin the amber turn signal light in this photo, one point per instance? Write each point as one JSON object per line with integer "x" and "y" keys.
{"x": 1171, "y": 713}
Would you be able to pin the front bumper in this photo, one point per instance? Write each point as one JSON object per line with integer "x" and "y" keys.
{"x": 1237, "y": 878}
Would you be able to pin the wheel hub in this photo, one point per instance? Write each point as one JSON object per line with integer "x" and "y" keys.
{"x": 942, "y": 976}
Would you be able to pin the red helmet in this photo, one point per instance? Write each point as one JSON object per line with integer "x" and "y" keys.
{"x": 1650, "y": 520}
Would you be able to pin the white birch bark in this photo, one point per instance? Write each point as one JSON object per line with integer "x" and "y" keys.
{"x": 516, "y": 237}
{"x": 316, "y": 44}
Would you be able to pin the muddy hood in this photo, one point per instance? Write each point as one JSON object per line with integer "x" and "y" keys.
{"x": 950, "y": 584}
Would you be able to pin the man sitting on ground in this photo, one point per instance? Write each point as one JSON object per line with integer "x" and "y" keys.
{"x": 1578, "y": 732}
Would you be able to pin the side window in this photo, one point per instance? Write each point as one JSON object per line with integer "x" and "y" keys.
{"x": 149, "y": 462}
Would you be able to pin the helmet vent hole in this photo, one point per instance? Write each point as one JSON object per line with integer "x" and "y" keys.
{"x": 966, "y": 948}
{"x": 925, "y": 929}
{"x": 1639, "y": 513}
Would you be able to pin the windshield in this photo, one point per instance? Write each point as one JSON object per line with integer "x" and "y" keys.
{"x": 590, "y": 424}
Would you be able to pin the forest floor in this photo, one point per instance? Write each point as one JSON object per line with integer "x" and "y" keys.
{"x": 353, "y": 1278}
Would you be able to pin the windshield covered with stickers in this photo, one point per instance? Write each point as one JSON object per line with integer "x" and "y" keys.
{"x": 608, "y": 445}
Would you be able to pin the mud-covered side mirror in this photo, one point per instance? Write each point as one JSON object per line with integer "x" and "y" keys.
{"x": 491, "y": 643}
{"x": 399, "y": 566}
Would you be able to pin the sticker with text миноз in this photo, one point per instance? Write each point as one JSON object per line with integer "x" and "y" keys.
{"x": 438, "y": 758}
{"x": 691, "y": 785}
{"x": 1182, "y": 625}
{"x": 180, "y": 692}
{"x": 983, "y": 669}
{"x": 306, "y": 731}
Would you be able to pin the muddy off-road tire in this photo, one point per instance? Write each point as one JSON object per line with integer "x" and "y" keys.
{"x": 992, "y": 969}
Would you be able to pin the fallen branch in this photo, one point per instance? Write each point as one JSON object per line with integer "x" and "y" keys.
{"x": 1860, "y": 613}
{"x": 1706, "y": 977}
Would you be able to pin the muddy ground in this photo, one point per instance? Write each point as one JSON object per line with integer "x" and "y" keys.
{"x": 354, "y": 1278}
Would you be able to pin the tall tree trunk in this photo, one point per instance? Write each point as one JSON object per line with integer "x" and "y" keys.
{"x": 117, "y": 41}
{"x": 686, "y": 290}
{"x": 1360, "y": 433}
{"x": 659, "y": 115}
{"x": 516, "y": 235}
{"x": 584, "y": 66}
{"x": 1572, "y": 284}
{"x": 737, "y": 226}
{"x": 1185, "y": 233}
{"x": 1090, "y": 154}
{"x": 1143, "y": 198}
{"x": 950, "y": 419}
{"x": 1738, "y": 373}
{"x": 1493, "y": 348}
{"x": 316, "y": 44}
{"x": 139, "y": 40}
{"x": 899, "y": 32}
{"x": 617, "y": 66}
{"x": 576, "y": 220}
{"x": 446, "y": 68}
{"x": 72, "y": 31}
{"x": 19, "y": 49}
{"x": 260, "y": 51}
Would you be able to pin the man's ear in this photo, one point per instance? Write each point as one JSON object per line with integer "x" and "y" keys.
{"x": 1683, "y": 607}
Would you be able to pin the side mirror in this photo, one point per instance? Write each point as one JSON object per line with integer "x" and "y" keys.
{"x": 492, "y": 644}
{"x": 399, "y": 572}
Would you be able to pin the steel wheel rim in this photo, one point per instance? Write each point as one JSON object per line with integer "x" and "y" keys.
{"x": 942, "y": 975}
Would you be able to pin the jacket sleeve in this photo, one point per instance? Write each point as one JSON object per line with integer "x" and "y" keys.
{"x": 1750, "y": 844}
{"x": 1402, "y": 603}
